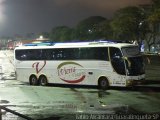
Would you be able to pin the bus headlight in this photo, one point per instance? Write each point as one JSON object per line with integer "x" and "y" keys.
{"x": 129, "y": 82}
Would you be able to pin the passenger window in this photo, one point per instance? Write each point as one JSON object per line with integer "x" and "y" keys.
{"x": 117, "y": 61}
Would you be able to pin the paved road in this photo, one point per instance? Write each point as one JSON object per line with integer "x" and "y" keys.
{"x": 152, "y": 67}
{"x": 41, "y": 102}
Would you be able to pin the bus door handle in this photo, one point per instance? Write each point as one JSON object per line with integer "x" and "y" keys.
{"x": 90, "y": 73}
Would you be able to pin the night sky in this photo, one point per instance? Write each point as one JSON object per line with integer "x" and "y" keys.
{"x": 34, "y": 16}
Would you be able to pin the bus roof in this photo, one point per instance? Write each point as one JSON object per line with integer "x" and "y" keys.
{"x": 78, "y": 44}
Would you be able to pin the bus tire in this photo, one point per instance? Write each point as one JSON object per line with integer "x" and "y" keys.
{"x": 33, "y": 80}
{"x": 103, "y": 83}
{"x": 43, "y": 80}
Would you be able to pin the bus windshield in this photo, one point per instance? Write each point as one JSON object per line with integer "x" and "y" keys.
{"x": 117, "y": 61}
{"x": 135, "y": 66}
{"x": 128, "y": 62}
{"x": 131, "y": 51}
{"x": 133, "y": 60}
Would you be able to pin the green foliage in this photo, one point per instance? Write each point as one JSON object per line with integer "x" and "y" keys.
{"x": 154, "y": 22}
{"x": 105, "y": 31}
{"x": 154, "y": 17}
{"x": 130, "y": 23}
{"x": 126, "y": 23}
{"x": 61, "y": 34}
{"x": 89, "y": 28}
{"x": 156, "y": 4}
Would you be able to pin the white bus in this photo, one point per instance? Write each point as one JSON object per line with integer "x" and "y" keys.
{"x": 81, "y": 63}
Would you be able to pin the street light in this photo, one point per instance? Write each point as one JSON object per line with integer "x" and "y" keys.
{"x": 140, "y": 25}
{"x": 90, "y": 31}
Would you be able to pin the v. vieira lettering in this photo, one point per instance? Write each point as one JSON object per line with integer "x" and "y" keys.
{"x": 65, "y": 71}
{"x": 71, "y": 72}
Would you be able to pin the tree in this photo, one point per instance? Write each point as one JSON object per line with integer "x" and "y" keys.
{"x": 154, "y": 23}
{"x": 104, "y": 30}
{"x": 89, "y": 28}
{"x": 61, "y": 34}
{"x": 156, "y": 4}
{"x": 45, "y": 34}
{"x": 126, "y": 23}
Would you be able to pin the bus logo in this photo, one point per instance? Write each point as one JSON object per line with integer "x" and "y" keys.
{"x": 71, "y": 72}
{"x": 38, "y": 66}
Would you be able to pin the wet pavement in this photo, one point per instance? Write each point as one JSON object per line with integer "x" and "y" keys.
{"x": 66, "y": 103}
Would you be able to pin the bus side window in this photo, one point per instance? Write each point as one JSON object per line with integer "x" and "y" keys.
{"x": 72, "y": 53}
{"x": 35, "y": 54}
{"x": 102, "y": 54}
{"x": 54, "y": 55}
{"x": 46, "y": 54}
{"x": 20, "y": 54}
{"x": 117, "y": 61}
{"x": 57, "y": 54}
{"x": 115, "y": 53}
{"x": 60, "y": 55}
{"x": 75, "y": 53}
{"x": 84, "y": 53}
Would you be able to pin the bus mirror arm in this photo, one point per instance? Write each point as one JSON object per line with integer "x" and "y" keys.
{"x": 128, "y": 61}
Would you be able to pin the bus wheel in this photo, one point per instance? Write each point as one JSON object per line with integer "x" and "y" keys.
{"x": 103, "y": 83}
{"x": 33, "y": 80}
{"x": 43, "y": 80}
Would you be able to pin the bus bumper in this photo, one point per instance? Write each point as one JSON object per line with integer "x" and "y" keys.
{"x": 135, "y": 82}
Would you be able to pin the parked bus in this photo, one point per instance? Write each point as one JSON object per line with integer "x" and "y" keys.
{"x": 80, "y": 63}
